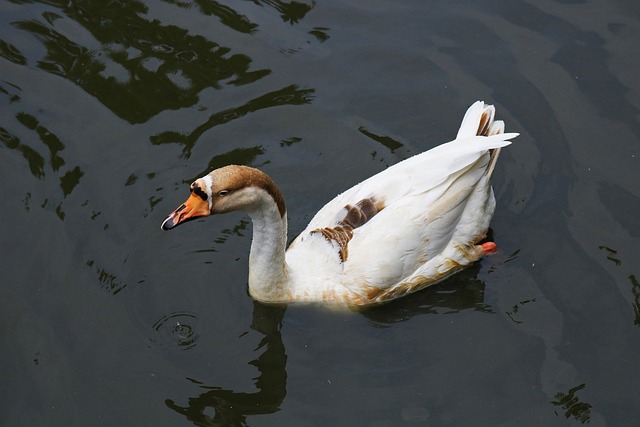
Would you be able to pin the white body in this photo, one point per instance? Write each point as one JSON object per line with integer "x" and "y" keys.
{"x": 438, "y": 206}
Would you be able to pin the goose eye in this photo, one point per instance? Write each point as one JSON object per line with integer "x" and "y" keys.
{"x": 223, "y": 192}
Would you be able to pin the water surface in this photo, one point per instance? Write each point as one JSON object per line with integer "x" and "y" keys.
{"x": 110, "y": 109}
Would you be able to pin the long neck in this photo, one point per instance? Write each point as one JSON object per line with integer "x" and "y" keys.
{"x": 267, "y": 267}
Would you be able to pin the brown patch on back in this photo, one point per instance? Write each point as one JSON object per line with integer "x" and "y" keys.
{"x": 355, "y": 217}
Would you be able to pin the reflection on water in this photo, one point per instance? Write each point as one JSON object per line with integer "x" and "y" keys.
{"x": 240, "y": 229}
{"x": 290, "y": 95}
{"x": 616, "y": 259}
{"x": 52, "y": 142}
{"x": 289, "y": 12}
{"x": 237, "y": 156}
{"x": 27, "y": 136}
{"x": 227, "y": 15}
{"x": 635, "y": 291}
{"x": 612, "y": 254}
{"x": 572, "y": 406}
{"x": 220, "y": 407}
{"x": 387, "y": 141}
{"x": 136, "y": 67}
{"x": 107, "y": 280}
{"x": 10, "y": 52}
{"x": 513, "y": 313}
{"x": 292, "y": 11}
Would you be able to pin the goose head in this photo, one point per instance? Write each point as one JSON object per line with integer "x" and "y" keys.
{"x": 227, "y": 189}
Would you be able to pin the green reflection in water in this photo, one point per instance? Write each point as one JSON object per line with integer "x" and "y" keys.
{"x": 237, "y": 156}
{"x": 387, "y": 141}
{"x": 291, "y": 12}
{"x": 108, "y": 281}
{"x": 141, "y": 67}
{"x": 290, "y": 95}
{"x": 513, "y": 314}
{"x": 34, "y": 159}
{"x": 572, "y": 406}
{"x": 49, "y": 139}
{"x": 635, "y": 291}
{"x": 11, "y": 53}
{"x": 37, "y": 162}
{"x": 225, "y": 14}
{"x": 320, "y": 33}
{"x": 70, "y": 180}
{"x": 288, "y": 142}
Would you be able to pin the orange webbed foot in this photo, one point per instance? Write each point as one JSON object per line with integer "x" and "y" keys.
{"x": 489, "y": 248}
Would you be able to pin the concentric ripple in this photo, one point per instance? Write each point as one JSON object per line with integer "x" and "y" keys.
{"x": 176, "y": 330}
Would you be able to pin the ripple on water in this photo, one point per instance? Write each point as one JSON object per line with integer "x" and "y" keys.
{"x": 176, "y": 330}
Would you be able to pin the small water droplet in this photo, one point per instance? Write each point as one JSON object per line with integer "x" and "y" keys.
{"x": 177, "y": 330}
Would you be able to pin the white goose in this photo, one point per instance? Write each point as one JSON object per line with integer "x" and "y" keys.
{"x": 397, "y": 232}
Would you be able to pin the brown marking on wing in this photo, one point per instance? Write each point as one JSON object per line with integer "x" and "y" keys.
{"x": 372, "y": 295}
{"x": 450, "y": 266}
{"x": 355, "y": 217}
{"x": 485, "y": 123}
{"x": 484, "y": 129}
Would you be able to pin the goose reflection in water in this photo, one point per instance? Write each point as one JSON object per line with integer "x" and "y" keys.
{"x": 221, "y": 407}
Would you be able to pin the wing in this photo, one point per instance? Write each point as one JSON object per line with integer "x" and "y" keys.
{"x": 415, "y": 229}
{"x": 416, "y": 175}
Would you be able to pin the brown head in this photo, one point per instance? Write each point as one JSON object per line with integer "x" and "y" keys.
{"x": 230, "y": 188}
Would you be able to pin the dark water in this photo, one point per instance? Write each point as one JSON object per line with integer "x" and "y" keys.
{"x": 110, "y": 108}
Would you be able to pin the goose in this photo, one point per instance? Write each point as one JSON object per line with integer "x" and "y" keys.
{"x": 408, "y": 227}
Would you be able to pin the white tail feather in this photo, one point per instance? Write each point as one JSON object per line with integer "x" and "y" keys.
{"x": 471, "y": 119}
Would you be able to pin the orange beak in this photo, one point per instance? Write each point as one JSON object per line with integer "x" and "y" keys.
{"x": 193, "y": 208}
